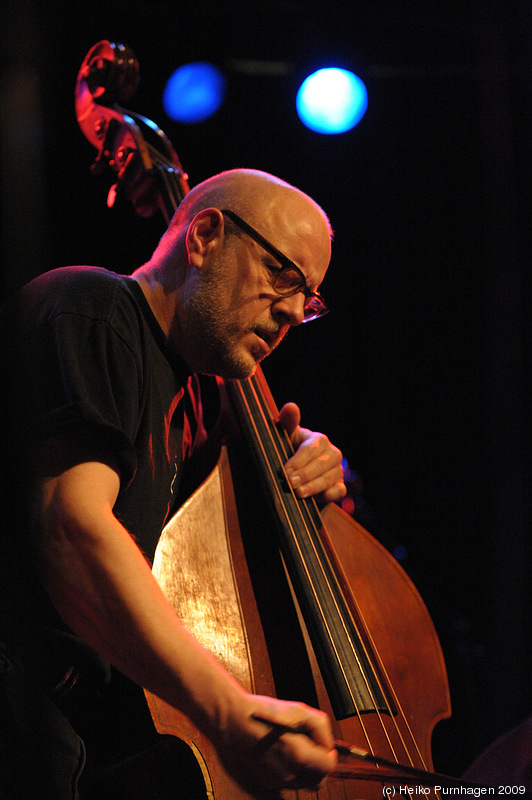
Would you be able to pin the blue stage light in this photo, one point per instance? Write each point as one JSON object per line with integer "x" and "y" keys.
{"x": 194, "y": 92}
{"x": 331, "y": 100}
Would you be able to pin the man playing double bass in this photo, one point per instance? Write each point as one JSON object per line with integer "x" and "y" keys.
{"x": 100, "y": 412}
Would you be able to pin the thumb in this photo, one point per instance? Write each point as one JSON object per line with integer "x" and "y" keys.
{"x": 290, "y": 417}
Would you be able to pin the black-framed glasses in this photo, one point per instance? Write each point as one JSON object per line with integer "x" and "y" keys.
{"x": 287, "y": 279}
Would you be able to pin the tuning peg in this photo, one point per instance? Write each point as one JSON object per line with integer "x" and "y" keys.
{"x": 111, "y": 197}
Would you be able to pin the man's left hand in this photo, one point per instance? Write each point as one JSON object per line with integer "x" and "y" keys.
{"x": 315, "y": 469}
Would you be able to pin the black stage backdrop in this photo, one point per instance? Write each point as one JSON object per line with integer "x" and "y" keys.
{"x": 421, "y": 373}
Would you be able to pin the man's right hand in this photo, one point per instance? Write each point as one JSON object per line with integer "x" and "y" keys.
{"x": 262, "y": 756}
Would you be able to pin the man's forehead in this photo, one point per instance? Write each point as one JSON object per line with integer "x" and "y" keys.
{"x": 296, "y": 215}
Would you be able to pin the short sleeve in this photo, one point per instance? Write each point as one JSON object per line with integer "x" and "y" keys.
{"x": 81, "y": 371}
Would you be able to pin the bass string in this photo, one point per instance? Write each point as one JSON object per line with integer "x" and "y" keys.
{"x": 271, "y": 459}
{"x": 244, "y": 398}
{"x": 286, "y": 448}
{"x": 283, "y": 447}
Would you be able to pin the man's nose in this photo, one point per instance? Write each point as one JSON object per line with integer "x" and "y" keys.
{"x": 292, "y": 308}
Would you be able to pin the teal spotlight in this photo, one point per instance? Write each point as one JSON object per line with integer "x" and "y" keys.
{"x": 194, "y": 92}
{"x": 331, "y": 100}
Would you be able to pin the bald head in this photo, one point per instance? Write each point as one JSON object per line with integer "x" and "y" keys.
{"x": 251, "y": 193}
{"x": 266, "y": 202}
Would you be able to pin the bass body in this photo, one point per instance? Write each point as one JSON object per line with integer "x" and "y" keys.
{"x": 220, "y": 564}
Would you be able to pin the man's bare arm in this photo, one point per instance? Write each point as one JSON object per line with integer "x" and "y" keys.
{"x": 104, "y": 589}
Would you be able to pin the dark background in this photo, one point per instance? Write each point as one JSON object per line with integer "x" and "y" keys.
{"x": 421, "y": 373}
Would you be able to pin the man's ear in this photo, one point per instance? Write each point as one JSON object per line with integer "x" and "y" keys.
{"x": 204, "y": 235}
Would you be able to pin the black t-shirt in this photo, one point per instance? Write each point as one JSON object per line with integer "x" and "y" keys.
{"x": 95, "y": 363}
{"x": 85, "y": 357}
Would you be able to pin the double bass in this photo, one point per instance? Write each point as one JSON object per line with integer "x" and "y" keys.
{"x": 295, "y": 601}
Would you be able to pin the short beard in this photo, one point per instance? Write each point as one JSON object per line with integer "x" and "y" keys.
{"x": 208, "y": 341}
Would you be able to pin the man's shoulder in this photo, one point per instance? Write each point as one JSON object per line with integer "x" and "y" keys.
{"x": 65, "y": 280}
{"x": 80, "y": 289}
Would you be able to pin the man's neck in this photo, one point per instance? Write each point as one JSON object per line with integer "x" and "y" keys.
{"x": 160, "y": 301}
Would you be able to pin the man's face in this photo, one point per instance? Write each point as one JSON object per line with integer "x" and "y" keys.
{"x": 234, "y": 316}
